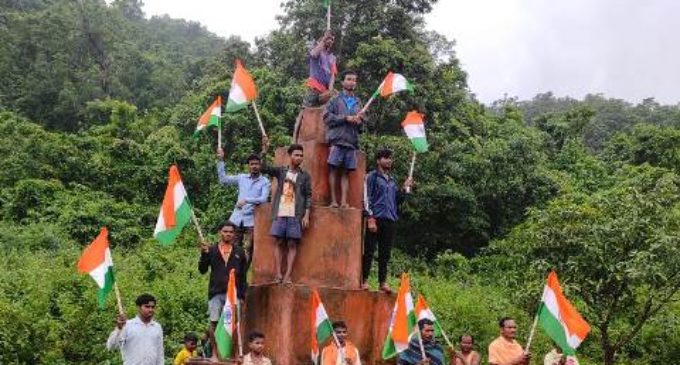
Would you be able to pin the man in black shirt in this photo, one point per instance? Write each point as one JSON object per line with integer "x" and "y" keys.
{"x": 221, "y": 258}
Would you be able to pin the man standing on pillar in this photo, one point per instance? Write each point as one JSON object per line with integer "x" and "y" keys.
{"x": 291, "y": 205}
{"x": 342, "y": 117}
{"x": 221, "y": 258}
{"x": 381, "y": 198}
{"x": 253, "y": 190}
{"x": 347, "y": 354}
{"x": 322, "y": 71}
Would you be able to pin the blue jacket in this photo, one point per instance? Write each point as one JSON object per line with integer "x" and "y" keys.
{"x": 382, "y": 196}
{"x": 340, "y": 132}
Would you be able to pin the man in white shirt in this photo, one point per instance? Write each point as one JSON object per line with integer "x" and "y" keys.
{"x": 140, "y": 339}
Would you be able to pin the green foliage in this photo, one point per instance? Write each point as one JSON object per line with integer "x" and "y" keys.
{"x": 616, "y": 250}
{"x": 97, "y": 101}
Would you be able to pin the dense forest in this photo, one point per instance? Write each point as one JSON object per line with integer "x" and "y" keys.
{"x": 97, "y": 100}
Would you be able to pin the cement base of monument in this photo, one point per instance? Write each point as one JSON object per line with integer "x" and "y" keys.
{"x": 282, "y": 313}
{"x": 329, "y": 254}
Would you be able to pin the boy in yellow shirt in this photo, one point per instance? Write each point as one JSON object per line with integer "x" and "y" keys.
{"x": 189, "y": 350}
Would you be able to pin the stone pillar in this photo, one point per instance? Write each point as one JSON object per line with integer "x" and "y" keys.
{"x": 328, "y": 258}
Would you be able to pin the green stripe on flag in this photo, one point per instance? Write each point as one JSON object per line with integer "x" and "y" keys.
{"x": 233, "y": 106}
{"x": 323, "y": 331}
{"x": 214, "y": 121}
{"x": 389, "y": 351}
{"x": 182, "y": 217}
{"x": 555, "y": 329}
{"x": 420, "y": 144}
{"x": 223, "y": 340}
{"x": 108, "y": 286}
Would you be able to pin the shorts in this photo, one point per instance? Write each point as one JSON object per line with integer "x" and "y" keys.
{"x": 344, "y": 157}
{"x": 215, "y": 306}
{"x": 287, "y": 228}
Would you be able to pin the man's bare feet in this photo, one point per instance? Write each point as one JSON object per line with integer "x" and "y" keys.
{"x": 214, "y": 359}
{"x": 344, "y": 205}
{"x": 364, "y": 286}
{"x": 287, "y": 281}
{"x": 333, "y": 205}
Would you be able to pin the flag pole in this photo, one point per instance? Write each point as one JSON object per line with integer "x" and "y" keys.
{"x": 259, "y": 120}
{"x": 363, "y": 110}
{"x": 219, "y": 134}
{"x": 446, "y": 338}
{"x": 420, "y": 342}
{"x": 238, "y": 329}
{"x": 342, "y": 350}
{"x": 198, "y": 226}
{"x": 328, "y": 16}
{"x": 531, "y": 334}
{"x": 410, "y": 170}
{"x": 118, "y": 300}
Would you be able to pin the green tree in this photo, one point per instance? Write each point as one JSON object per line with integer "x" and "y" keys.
{"x": 616, "y": 251}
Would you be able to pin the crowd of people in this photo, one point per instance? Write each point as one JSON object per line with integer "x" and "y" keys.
{"x": 140, "y": 340}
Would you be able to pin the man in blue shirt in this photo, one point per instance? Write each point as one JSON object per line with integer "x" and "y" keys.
{"x": 253, "y": 190}
{"x": 382, "y": 196}
{"x": 343, "y": 117}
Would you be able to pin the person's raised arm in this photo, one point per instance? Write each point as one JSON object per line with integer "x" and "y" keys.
{"x": 113, "y": 342}
{"x": 316, "y": 51}
{"x": 222, "y": 176}
{"x": 265, "y": 168}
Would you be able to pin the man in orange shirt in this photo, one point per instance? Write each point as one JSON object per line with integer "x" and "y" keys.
{"x": 347, "y": 354}
{"x": 505, "y": 350}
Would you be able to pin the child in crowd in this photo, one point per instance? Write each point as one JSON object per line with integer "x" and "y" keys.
{"x": 189, "y": 350}
{"x": 256, "y": 346}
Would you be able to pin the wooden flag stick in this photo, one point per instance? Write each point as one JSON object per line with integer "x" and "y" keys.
{"x": 531, "y": 334}
{"x": 420, "y": 342}
{"x": 238, "y": 330}
{"x": 259, "y": 120}
{"x": 198, "y": 226}
{"x": 363, "y": 110}
{"x": 118, "y": 300}
{"x": 328, "y": 16}
{"x": 410, "y": 170}
{"x": 446, "y": 338}
{"x": 219, "y": 135}
{"x": 337, "y": 344}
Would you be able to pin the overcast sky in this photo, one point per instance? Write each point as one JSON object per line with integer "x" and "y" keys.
{"x": 627, "y": 49}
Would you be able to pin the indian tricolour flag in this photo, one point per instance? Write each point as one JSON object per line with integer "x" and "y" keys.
{"x": 560, "y": 319}
{"x": 423, "y": 311}
{"x": 393, "y": 83}
{"x": 211, "y": 117}
{"x": 96, "y": 261}
{"x": 227, "y": 325}
{"x": 402, "y": 322}
{"x": 415, "y": 130}
{"x": 322, "y": 328}
{"x": 243, "y": 89}
{"x": 175, "y": 211}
